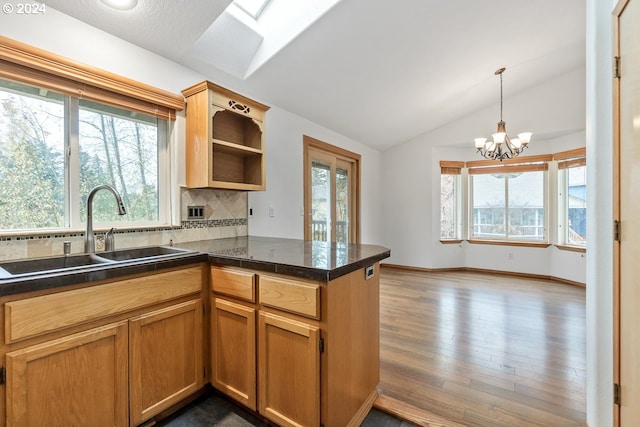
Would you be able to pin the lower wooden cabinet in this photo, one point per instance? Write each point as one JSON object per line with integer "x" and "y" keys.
{"x": 233, "y": 350}
{"x": 141, "y": 354}
{"x": 268, "y": 333}
{"x": 165, "y": 353}
{"x": 288, "y": 371}
{"x": 78, "y": 380}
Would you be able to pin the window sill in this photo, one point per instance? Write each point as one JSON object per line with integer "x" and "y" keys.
{"x": 509, "y": 243}
{"x": 572, "y": 248}
{"x": 450, "y": 241}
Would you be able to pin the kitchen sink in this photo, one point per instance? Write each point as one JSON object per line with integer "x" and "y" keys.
{"x": 58, "y": 264}
{"x": 142, "y": 253}
{"x": 41, "y": 265}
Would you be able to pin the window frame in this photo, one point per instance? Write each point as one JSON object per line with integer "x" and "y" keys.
{"x": 35, "y": 67}
{"x": 507, "y": 237}
{"x": 519, "y": 164}
{"x": 552, "y": 186}
{"x": 567, "y": 160}
{"x": 455, "y": 169}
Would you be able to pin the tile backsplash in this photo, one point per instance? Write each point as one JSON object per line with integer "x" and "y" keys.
{"x": 225, "y": 215}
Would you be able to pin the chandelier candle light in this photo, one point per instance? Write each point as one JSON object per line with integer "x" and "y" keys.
{"x": 502, "y": 147}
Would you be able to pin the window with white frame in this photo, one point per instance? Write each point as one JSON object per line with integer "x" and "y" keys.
{"x": 572, "y": 191}
{"x": 508, "y": 202}
{"x": 450, "y": 200}
{"x": 54, "y": 148}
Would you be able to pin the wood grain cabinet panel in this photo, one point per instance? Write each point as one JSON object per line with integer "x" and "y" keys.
{"x": 297, "y": 383}
{"x": 233, "y": 350}
{"x": 165, "y": 350}
{"x": 232, "y": 282}
{"x": 38, "y": 315}
{"x": 79, "y": 380}
{"x": 290, "y": 295}
{"x": 288, "y": 371}
{"x": 224, "y": 139}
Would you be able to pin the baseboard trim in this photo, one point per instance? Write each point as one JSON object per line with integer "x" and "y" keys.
{"x": 362, "y": 413}
{"x": 485, "y": 271}
{"x": 410, "y": 413}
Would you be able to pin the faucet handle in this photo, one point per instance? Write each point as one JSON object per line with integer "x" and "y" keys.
{"x": 109, "y": 241}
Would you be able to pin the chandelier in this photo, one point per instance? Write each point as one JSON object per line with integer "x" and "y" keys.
{"x": 502, "y": 147}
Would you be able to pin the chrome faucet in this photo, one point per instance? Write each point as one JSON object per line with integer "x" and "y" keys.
{"x": 89, "y": 238}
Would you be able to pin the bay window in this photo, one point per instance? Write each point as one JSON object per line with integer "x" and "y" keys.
{"x": 509, "y": 202}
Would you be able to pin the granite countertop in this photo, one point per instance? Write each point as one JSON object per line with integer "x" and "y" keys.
{"x": 313, "y": 260}
{"x": 309, "y": 259}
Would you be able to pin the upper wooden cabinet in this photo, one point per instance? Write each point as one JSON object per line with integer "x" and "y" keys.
{"x": 225, "y": 139}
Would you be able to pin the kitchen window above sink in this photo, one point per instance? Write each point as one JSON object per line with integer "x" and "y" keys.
{"x": 48, "y": 168}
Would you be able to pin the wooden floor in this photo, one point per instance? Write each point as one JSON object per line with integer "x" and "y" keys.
{"x": 484, "y": 350}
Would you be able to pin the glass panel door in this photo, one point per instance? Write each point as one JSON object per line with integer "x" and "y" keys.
{"x": 321, "y": 201}
{"x": 331, "y": 187}
{"x": 343, "y": 196}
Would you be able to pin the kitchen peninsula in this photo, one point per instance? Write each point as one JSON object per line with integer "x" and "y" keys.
{"x": 288, "y": 328}
{"x": 308, "y": 313}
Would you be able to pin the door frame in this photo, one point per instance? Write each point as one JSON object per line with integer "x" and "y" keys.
{"x": 617, "y": 12}
{"x": 312, "y": 144}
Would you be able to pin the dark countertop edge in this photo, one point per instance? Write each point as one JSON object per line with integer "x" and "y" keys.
{"x": 295, "y": 270}
{"x": 19, "y": 285}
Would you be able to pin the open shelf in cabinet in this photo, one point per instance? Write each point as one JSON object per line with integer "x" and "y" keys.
{"x": 225, "y": 139}
{"x": 237, "y": 166}
{"x": 241, "y": 130}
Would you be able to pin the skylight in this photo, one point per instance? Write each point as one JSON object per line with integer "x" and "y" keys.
{"x": 252, "y": 8}
{"x": 250, "y": 32}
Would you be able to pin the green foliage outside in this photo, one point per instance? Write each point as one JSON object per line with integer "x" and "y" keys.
{"x": 115, "y": 149}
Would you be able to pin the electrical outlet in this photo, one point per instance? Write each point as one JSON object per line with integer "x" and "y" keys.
{"x": 272, "y": 212}
{"x": 510, "y": 256}
{"x": 195, "y": 212}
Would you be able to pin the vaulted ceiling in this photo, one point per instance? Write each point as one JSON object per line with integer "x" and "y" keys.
{"x": 377, "y": 71}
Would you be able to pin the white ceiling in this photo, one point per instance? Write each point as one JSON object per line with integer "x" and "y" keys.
{"x": 377, "y": 71}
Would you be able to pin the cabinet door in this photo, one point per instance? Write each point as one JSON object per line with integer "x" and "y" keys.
{"x": 165, "y": 350}
{"x": 289, "y": 371}
{"x": 233, "y": 350}
{"x": 79, "y": 380}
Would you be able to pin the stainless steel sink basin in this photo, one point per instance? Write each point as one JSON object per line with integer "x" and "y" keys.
{"x": 42, "y": 265}
{"x": 142, "y": 253}
{"x": 58, "y": 264}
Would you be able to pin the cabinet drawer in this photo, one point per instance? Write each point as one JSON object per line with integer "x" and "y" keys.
{"x": 35, "y": 316}
{"x": 289, "y": 295}
{"x": 235, "y": 283}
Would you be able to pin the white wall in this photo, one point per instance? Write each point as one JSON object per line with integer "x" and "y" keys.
{"x": 285, "y": 179}
{"x": 71, "y": 38}
{"x": 600, "y": 210}
{"x": 554, "y": 111}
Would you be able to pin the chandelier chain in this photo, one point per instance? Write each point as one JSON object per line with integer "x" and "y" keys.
{"x": 500, "y": 96}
